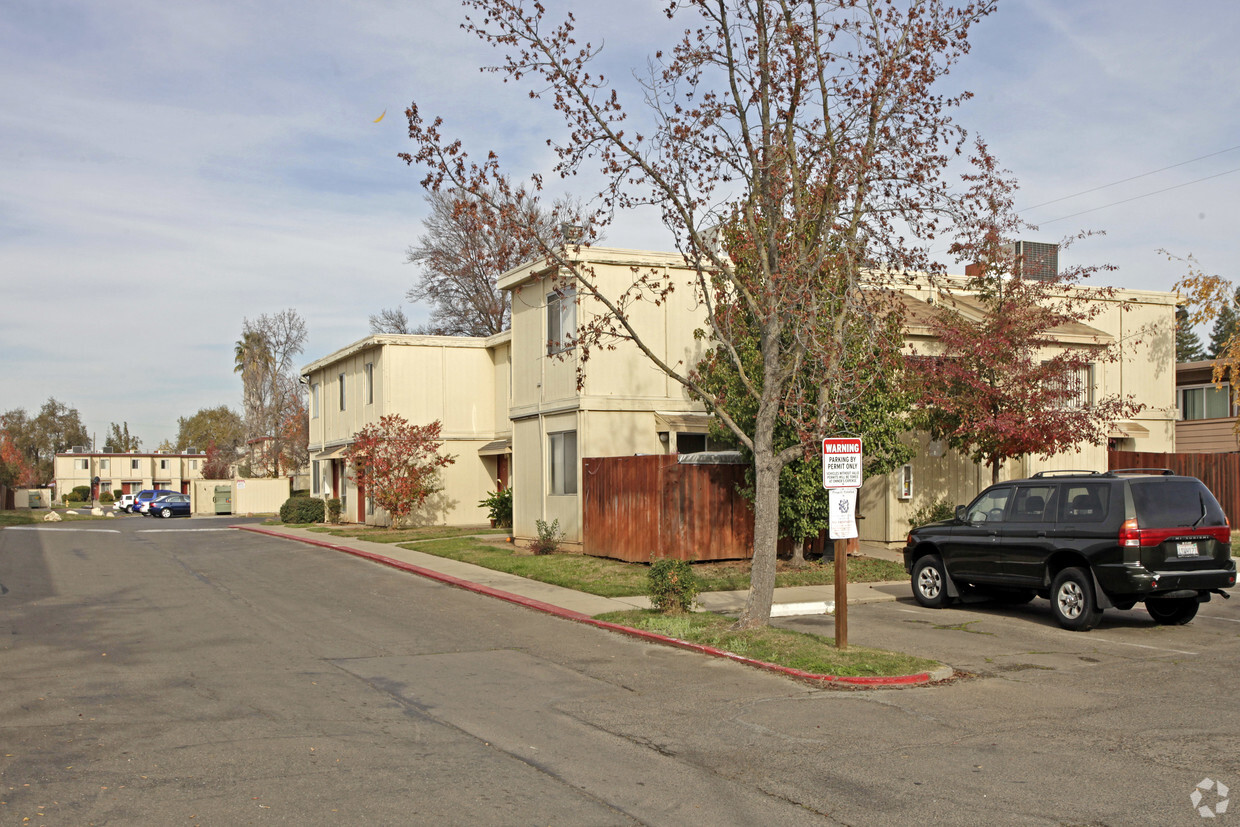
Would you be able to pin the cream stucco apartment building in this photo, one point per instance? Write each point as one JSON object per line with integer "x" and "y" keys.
{"x": 513, "y": 411}
{"x": 127, "y": 473}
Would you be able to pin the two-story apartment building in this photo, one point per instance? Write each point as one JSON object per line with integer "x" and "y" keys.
{"x": 461, "y": 381}
{"x": 127, "y": 473}
{"x": 519, "y": 395}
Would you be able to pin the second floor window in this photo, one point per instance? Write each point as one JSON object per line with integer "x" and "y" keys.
{"x": 561, "y": 320}
{"x": 133, "y": 465}
{"x": 1205, "y": 402}
{"x": 340, "y": 378}
{"x": 314, "y": 401}
{"x": 370, "y": 383}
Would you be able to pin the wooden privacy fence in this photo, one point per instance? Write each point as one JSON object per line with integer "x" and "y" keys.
{"x": 636, "y": 507}
{"x": 1220, "y": 472}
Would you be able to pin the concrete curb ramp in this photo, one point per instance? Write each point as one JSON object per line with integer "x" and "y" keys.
{"x": 942, "y": 673}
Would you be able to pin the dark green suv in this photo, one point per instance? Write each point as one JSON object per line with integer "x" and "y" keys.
{"x": 1087, "y": 541}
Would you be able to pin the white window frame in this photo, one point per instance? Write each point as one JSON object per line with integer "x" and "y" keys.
{"x": 340, "y": 379}
{"x": 133, "y": 465}
{"x": 561, "y": 320}
{"x": 563, "y": 465}
{"x": 906, "y": 482}
{"x": 314, "y": 400}
{"x": 315, "y": 487}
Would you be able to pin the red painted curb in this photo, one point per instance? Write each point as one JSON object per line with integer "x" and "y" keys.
{"x": 568, "y": 614}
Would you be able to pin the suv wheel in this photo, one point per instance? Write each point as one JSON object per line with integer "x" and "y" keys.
{"x": 1073, "y": 601}
{"x": 1175, "y": 611}
{"x": 930, "y": 582}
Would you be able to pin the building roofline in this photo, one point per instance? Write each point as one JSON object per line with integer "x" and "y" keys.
{"x": 407, "y": 340}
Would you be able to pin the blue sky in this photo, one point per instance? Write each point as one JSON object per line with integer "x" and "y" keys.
{"x": 171, "y": 168}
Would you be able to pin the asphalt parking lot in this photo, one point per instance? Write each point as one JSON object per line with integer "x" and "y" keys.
{"x": 988, "y": 639}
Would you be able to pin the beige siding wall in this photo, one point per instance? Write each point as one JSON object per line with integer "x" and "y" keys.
{"x": 460, "y": 381}
{"x": 1206, "y": 436}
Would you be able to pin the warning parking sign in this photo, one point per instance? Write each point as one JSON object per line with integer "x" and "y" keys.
{"x": 841, "y": 462}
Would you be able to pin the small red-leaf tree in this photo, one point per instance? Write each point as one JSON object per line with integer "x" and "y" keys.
{"x": 397, "y": 464}
{"x": 1012, "y": 370}
{"x": 216, "y": 463}
{"x": 815, "y": 127}
{"x": 14, "y": 469}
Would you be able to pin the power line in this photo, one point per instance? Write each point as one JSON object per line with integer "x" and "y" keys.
{"x": 1126, "y": 180}
{"x": 1137, "y": 197}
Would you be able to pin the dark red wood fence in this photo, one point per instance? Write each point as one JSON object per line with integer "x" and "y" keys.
{"x": 634, "y": 508}
{"x": 1220, "y": 473}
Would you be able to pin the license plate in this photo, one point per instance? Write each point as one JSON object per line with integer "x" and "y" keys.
{"x": 1186, "y": 550}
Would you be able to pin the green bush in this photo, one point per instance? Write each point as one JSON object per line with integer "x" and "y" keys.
{"x": 940, "y": 509}
{"x": 79, "y": 494}
{"x": 334, "y": 506}
{"x": 549, "y": 537}
{"x": 117, "y": 494}
{"x": 302, "y": 510}
{"x": 672, "y": 585}
{"x": 106, "y": 498}
{"x": 499, "y": 507}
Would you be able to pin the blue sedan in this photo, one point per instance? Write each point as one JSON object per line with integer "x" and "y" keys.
{"x": 170, "y": 505}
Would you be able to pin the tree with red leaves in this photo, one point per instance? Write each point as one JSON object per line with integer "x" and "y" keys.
{"x": 14, "y": 469}
{"x": 216, "y": 463}
{"x": 1012, "y": 373}
{"x": 813, "y": 128}
{"x": 397, "y": 464}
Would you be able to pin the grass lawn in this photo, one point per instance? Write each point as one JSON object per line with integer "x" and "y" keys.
{"x": 614, "y": 578}
{"x": 797, "y": 650}
{"x": 21, "y": 517}
{"x": 24, "y": 516}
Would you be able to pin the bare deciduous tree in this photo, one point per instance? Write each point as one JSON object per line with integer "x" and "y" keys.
{"x": 813, "y": 129}
{"x": 470, "y": 240}
{"x": 265, "y": 358}
{"x": 389, "y": 320}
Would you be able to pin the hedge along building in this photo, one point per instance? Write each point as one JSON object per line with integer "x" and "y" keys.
{"x": 461, "y": 381}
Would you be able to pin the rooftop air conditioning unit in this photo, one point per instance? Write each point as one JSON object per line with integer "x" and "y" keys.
{"x": 1035, "y": 260}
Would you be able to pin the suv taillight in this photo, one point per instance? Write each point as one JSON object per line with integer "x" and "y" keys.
{"x": 1131, "y": 536}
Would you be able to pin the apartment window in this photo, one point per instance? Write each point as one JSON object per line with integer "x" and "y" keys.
{"x": 163, "y": 465}
{"x": 193, "y": 465}
{"x": 1079, "y": 386}
{"x": 1205, "y": 402}
{"x": 906, "y": 482}
{"x": 315, "y": 488}
{"x": 561, "y": 320}
{"x": 103, "y": 465}
{"x": 314, "y": 401}
{"x": 563, "y": 462}
{"x": 340, "y": 379}
{"x": 81, "y": 465}
{"x": 370, "y": 383}
{"x": 133, "y": 465}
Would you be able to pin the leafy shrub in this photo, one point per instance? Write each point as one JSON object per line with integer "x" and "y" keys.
{"x": 549, "y": 537}
{"x": 499, "y": 507}
{"x": 334, "y": 507}
{"x": 302, "y": 510}
{"x": 79, "y": 494}
{"x": 106, "y": 498}
{"x": 940, "y": 509}
{"x": 117, "y": 494}
{"x": 672, "y": 585}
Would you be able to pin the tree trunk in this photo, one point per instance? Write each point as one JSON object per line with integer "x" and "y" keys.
{"x": 765, "y": 542}
{"x": 798, "y": 552}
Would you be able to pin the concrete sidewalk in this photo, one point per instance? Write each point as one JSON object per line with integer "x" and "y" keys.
{"x": 797, "y": 600}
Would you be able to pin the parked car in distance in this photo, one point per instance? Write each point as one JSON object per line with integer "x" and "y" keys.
{"x": 1086, "y": 541}
{"x": 123, "y": 503}
{"x": 170, "y": 505}
{"x": 142, "y": 500}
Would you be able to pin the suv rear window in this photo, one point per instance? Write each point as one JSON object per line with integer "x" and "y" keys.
{"x": 1174, "y": 503}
